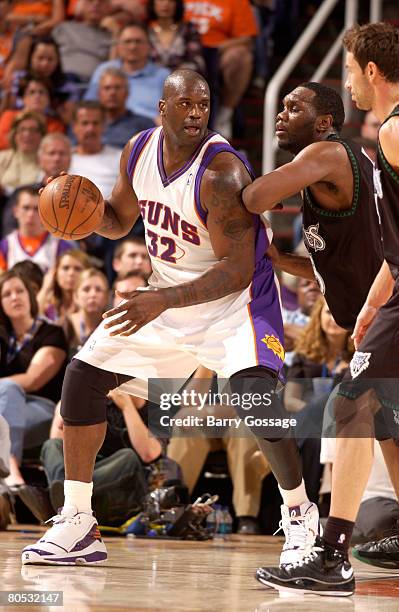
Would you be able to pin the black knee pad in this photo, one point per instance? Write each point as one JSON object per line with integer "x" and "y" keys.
{"x": 259, "y": 406}
{"x": 83, "y": 400}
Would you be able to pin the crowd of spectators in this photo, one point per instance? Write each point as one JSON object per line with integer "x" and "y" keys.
{"x": 77, "y": 80}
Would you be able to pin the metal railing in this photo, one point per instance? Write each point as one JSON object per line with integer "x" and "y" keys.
{"x": 293, "y": 58}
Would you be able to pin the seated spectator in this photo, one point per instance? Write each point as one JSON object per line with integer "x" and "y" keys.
{"x": 30, "y": 239}
{"x": 37, "y": 18}
{"x": 379, "y": 510}
{"x": 131, "y": 255}
{"x": 369, "y": 134}
{"x": 56, "y": 296}
{"x": 131, "y": 281}
{"x": 32, "y": 369}
{"x": 307, "y": 292}
{"x": 42, "y": 60}
{"x": 5, "y": 500}
{"x": 54, "y": 157}
{"x": 35, "y": 96}
{"x": 19, "y": 164}
{"x": 121, "y": 124}
{"x": 227, "y": 29}
{"x": 83, "y": 42}
{"x": 91, "y": 298}
{"x": 98, "y": 162}
{"x": 6, "y": 37}
{"x": 322, "y": 352}
{"x": 145, "y": 78}
{"x": 174, "y": 43}
{"x": 247, "y": 465}
{"x": 30, "y": 270}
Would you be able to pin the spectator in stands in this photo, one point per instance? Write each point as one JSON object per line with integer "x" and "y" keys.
{"x": 5, "y": 500}
{"x": 120, "y": 123}
{"x": 369, "y": 134}
{"x": 91, "y": 297}
{"x": 32, "y": 369}
{"x": 35, "y": 96}
{"x": 30, "y": 240}
{"x": 100, "y": 163}
{"x": 174, "y": 43}
{"x": 247, "y": 465}
{"x": 145, "y": 78}
{"x": 56, "y": 297}
{"x": 30, "y": 270}
{"x": 83, "y": 43}
{"x": 131, "y": 255}
{"x": 307, "y": 292}
{"x": 42, "y": 60}
{"x": 6, "y": 36}
{"x": 227, "y": 29}
{"x": 54, "y": 157}
{"x": 19, "y": 164}
{"x": 37, "y": 18}
{"x": 130, "y": 281}
{"x": 322, "y": 352}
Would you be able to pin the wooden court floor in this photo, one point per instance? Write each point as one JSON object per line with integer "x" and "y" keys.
{"x": 148, "y": 575}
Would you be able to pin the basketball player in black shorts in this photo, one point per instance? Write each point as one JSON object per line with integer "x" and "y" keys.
{"x": 370, "y": 385}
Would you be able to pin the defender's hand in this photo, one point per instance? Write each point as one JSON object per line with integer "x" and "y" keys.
{"x": 140, "y": 308}
{"x": 364, "y": 319}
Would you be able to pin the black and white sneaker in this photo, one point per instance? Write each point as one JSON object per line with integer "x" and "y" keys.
{"x": 382, "y": 553}
{"x": 324, "y": 571}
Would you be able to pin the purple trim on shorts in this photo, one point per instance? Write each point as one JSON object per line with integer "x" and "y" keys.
{"x": 167, "y": 180}
{"x": 213, "y": 149}
{"x": 136, "y": 150}
{"x": 266, "y": 316}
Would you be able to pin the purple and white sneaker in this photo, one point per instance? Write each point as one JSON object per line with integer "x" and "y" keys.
{"x": 74, "y": 539}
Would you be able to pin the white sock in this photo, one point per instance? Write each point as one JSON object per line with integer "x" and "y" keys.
{"x": 77, "y": 495}
{"x": 294, "y": 497}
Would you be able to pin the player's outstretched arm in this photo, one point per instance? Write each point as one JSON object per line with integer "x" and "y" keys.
{"x": 121, "y": 209}
{"x": 297, "y": 265}
{"x": 318, "y": 162}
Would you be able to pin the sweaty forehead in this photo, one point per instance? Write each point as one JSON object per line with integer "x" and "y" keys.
{"x": 300, "y": 95}
{"x": 186, "y": 88}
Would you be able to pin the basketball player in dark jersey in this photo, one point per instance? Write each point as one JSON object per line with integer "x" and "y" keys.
{"x": 371, "y": 382}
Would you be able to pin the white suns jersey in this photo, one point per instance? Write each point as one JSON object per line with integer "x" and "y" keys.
{"x": 44, "y": 256}
{"x": 175, "y": 222}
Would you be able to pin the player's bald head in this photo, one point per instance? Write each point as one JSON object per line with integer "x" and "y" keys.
{"x": 183, "y": 81}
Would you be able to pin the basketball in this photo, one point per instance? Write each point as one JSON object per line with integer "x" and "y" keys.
{"x": 71, "y": 207}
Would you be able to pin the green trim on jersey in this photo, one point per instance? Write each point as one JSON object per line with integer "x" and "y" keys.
{"x": 356, "y": 186}
{"x": 392, "y": 173}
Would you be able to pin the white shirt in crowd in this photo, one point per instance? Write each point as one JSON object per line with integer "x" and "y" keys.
{"x": 101, "y": 168}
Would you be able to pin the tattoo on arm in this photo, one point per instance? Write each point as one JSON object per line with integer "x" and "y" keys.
{"x": 110, "y": 221}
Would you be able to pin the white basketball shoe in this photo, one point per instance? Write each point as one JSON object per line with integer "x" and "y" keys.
{"x": 74, "y": 539}
{"x": 301, "y": 526}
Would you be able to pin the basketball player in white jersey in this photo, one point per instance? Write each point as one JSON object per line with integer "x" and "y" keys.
{"x": 213, "y": 302}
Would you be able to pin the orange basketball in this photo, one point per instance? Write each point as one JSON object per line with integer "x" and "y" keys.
{"x": 71, "y": 207}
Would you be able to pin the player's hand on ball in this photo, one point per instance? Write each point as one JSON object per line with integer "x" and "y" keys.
{"x": 50, "y": 179}
{"x": 140, "y": 308}
{"x": 364, "y": 319}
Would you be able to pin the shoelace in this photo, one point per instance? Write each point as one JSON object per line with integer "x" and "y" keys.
{"x": 305, "y": 560}
{"x": 294, "y": 530}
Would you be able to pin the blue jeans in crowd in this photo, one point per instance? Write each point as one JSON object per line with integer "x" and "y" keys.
{"x": 28, "y": 416}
